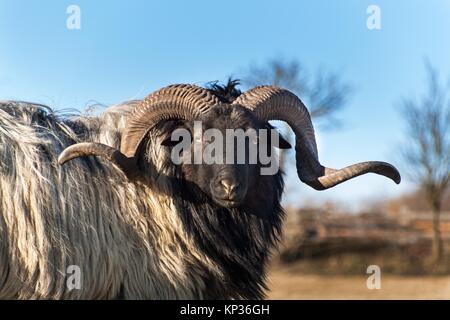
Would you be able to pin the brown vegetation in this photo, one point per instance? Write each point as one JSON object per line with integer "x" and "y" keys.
{"x": 328, "y": 242}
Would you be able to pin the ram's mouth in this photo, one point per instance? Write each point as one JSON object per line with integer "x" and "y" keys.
{"x": 227, "y": 203}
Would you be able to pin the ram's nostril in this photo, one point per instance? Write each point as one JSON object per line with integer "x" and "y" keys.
{"x": 229, "y": 186}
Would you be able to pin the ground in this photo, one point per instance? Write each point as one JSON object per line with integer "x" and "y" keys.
{"x": 285, "y": 284}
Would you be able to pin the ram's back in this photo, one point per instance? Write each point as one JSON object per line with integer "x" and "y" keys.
{"x": 51, "y": 217}
{"x": 125, "y": 239}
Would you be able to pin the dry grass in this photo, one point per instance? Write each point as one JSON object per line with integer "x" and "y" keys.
{"x": 286, "y": 284}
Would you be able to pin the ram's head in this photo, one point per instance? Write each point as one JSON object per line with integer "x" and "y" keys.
{"x": 228, "y": 183}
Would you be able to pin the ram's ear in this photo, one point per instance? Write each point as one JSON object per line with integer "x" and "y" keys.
{"x": 283, "y": 143}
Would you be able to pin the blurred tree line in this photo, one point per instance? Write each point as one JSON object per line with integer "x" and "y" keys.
{"x": 426, "y": 148}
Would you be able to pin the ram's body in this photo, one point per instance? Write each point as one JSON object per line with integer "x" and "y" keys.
{"x": 131, "y": 221}
{"x": 128, "y": 239}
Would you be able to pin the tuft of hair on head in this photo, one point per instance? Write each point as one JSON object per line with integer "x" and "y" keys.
{"x": 226, "y": 93}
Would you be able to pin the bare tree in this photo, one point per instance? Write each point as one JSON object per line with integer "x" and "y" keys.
{"x": 427, "y": 148}
{"x": 324, "y": 93}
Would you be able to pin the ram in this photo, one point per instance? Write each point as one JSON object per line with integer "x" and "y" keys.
{"x": 137, "y": 225}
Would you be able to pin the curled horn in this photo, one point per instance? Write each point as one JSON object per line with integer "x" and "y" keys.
{"x": 181, "y": 101}
{"x": 272, "y": 103}
{"x": 84, "y": 149}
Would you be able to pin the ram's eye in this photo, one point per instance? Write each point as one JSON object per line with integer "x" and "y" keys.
{"x": 168, "y": 142}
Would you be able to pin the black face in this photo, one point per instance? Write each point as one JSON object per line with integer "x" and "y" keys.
{"x": 228, "y": 178}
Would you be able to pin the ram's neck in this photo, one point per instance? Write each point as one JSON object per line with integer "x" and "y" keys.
{"x": 237, "y": 241}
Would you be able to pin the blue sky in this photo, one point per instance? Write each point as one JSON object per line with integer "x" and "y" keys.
{"x": 126, "y": 49}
